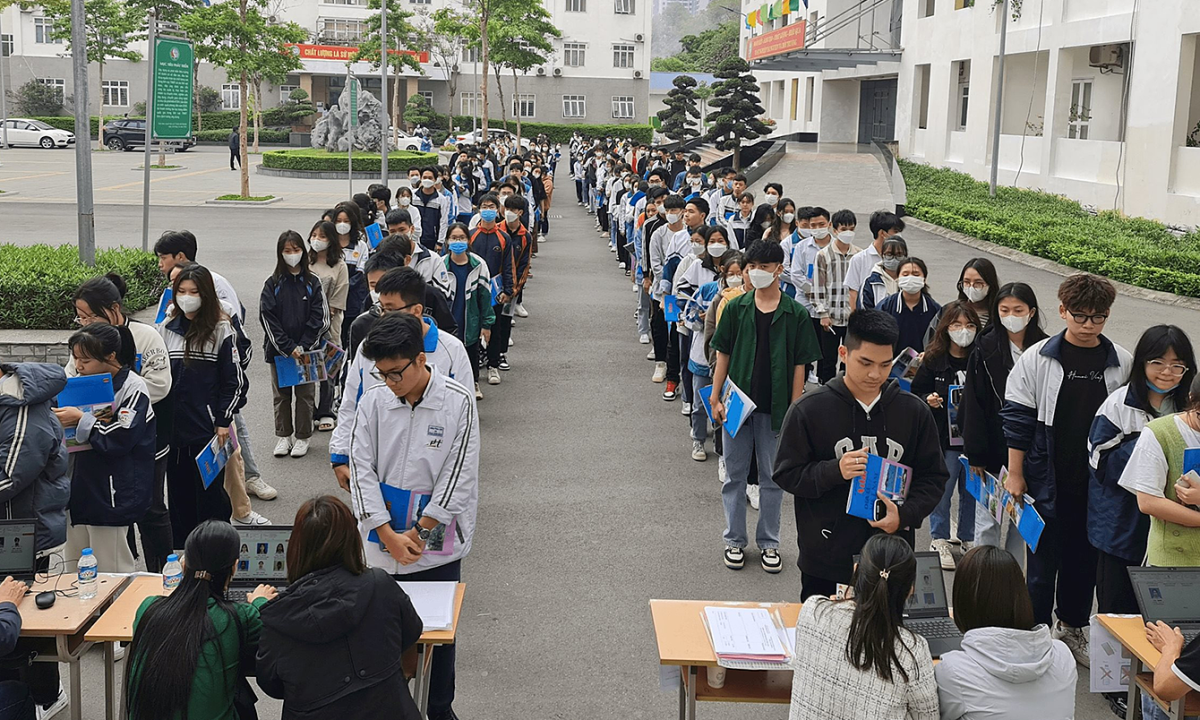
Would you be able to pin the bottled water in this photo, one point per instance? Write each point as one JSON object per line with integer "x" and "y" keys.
{"x": 87, "y": 575}
{"x": 172, "y": 574}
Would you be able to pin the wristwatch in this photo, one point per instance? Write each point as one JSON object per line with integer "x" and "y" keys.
{"x": 423, "y": 534}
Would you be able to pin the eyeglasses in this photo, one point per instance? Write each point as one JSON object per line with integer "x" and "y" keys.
{"x": 1159, "y": 366}
{"x": 394, "y": 377}
{"x": 979, "y": 285}
{"x": 962, "y": 326}
{"x": 1082, "y": 318}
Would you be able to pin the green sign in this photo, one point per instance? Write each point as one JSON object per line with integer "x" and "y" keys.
{"x": 353, "y": 103}
{"x": 172, "y": 103}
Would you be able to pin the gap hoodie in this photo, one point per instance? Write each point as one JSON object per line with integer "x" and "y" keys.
{"x": 1006, "y": 674}
{"x": 825, "y": 424}
{"x": 33, "y": 460}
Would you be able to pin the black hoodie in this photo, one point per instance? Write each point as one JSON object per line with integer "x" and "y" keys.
{"x": 331, "y": 646}
{"x": 983, "y": 396}
{"x": 822, "y": 426}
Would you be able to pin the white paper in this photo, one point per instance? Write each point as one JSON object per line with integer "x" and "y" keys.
{"x": 743, "y": 632}
{"x": 1109, "y": 670}
{"x": 433, "y": 601}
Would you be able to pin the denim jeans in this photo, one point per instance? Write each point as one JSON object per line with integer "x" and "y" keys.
{"x": 939, "y": 521}
{"x": 243, "y": 436}
{"x": 699, "y": 417}
{"x": 644, "y": 311}
{"x": 685, "y": 373}
{"x": 755, "y": 438}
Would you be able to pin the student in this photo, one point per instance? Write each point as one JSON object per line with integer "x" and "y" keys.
{"x": 1009, "y": 667}
{"x": 428, "y": 202}
{"x": 738, "y": 224}
{"x": 800, "y": 242}
{"x": 883, "y": 225}
{"x": 882, "y": 280}
{"x": 699, "y": 284}
{"x": 490, "y": 242}
{"x": 404, "y": 205}
{"x": 367, "y": 207}
{"x": 763, "y": 342}
{"x": 1053, "y": 393}
{"x": 337, "y": 619}
{"x": 997, "y": 348}
{"x": 391, "y": 445}
{"x": 683, "y": 286}
{"x": 977, "y": 284}
{"x": 470, "y": 296}
{"x": 381, "y": 195}
{"x": 189, "y": 647}
{"x": 943, "y": 367}
{"x": 292, "y": 311}
{"x": 207, "y": 387}
{"x": 831, "y": 301}
{"x": 112, "y": 481}
{"x": 662, "y": 244}
{"x": 413, "y": 254}
{"x": 854, "y": 658}
{"x": 352, "y": 241}
{"x": 330, "y": 268}
{"x": 178, "y": 247}
{"x": 785, "y": 222}
{"x": 912, "y": 307}
{"x": 804, "y": 249}
{"x": 764, "y": 214}
{"x": 515, "y": 207}
{"x": 376, "y": 266}
{"x": 824, "y": 445}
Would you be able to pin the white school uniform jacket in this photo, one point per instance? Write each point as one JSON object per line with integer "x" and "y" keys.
{"x": 443, "y": 351}
{"x": 429, "y": 448}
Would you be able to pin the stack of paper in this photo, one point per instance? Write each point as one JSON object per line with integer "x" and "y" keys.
{"x": 745, "y": 635}
{"x": 433, "y": 601}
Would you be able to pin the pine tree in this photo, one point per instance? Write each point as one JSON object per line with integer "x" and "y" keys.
{"x": 736, "y": 109}
{"x": 681, "y": 107}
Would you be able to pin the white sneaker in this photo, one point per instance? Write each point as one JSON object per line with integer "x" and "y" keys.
{"x": 300, "y": 449}
{"x": 49, "y": 711}
{"x": 478, "y": 392}
{"x": 493, "y": 376}
{"x": 1076, "y": 639}
{"x": 543, "y": 238}
{"x": 660, "y": 372}
{"x": 620, "y": 266}
{"x": 698, "y": 453}
{"x": 253, "y": 519}
{"x": 945, "y": 553}
{"x": 752, "y": 495}
{"x": 650, "y": 355}
{"x": 721, "y": 468}
{"x": 644, "y": 339}
{"x": 260, "y": 489}
{"x": 283, "y": 446}
{"x": 521, "y": 312}
{"x": 685, "y": 409}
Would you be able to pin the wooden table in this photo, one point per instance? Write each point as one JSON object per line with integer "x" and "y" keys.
{"x": 67, "y": 622}
{"x": 425, "y": 645}
{"x": 1131, "y": 633}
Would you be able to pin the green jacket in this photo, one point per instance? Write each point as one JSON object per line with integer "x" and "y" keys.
{"x": 1171, "y": 545}
{"x": 477, "y": 309}
{"x": 793, "y": 343}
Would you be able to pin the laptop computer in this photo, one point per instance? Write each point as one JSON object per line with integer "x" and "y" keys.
{"x": 262, "y": 559}
{"x": 928, "y": 611}
{"x": 18, "y": 550}
{"x": 1169, "y": 594}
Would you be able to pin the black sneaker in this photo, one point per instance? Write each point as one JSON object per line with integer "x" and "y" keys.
{"x": 1118, "y": 703}
{"x": 504, "y": 361}
{"x": 735, "y": 559}
{"x": 771, "y": 562}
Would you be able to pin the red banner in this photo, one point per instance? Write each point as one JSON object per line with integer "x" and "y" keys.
{"x": 342, "y": 53}
{"x": 777, "y": 42}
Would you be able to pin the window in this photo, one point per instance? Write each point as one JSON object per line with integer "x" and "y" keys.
{"x": 523, "y": 105}
{"x": 622, "y": 106}
{"x": 231, "y": 97}
{"x": 810, "y": 91}
{"x": 622, "y": 56}
{"x": 573, "y": 54}
{"x": 285, "y": 90}
{"x": 576, "y": 5}
{"x": 344, "y": 2}
{"x": 467, "y": 104}
{"x": 574, "y": 106}
{"x": 420, "y": 2}
{"x": 922, "y": 83}
{"x": 58, "y": 84}
{"x": 925, "y": 8}
{"x": 115, "y": 93}
{"x": 6, "y": 45}
{"x": 962, "y": 100}
{"x": 339, "y": 29}
{"x": 428, "y": 95}
{"x": 42, "y": 27}
{"x": 470, "y": 55}
{"x": 1080, "y": 110}
{"x": 795, "y": 96}
{"x": 624, "y": 7}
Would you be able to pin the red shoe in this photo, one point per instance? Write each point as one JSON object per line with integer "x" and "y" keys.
{"x": 672, "y": 391}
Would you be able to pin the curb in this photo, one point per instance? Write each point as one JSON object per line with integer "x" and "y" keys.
{"x": 160, "y": 169}
{"x": 9, "y": 193}
{"x": 243, "y": 203}
{"x": 1033, "y": 261}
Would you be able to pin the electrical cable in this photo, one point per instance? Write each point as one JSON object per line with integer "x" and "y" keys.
{"x": 1029, "y": 110}
{"x": 1119, "y": 172}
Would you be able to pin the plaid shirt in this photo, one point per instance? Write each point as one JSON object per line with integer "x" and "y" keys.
{"x": 831, "y": 298}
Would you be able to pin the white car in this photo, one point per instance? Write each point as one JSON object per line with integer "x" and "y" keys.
{"x": 35, "y": 133}
{"x": 493, "y": 134}
{"x": 404, "y": 141}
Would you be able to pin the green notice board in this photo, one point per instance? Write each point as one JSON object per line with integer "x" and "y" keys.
{"x": 172, "y": 106}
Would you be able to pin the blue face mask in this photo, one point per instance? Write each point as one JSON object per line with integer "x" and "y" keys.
{"x": 1155, "y": 389}
{"x": 458, "y": 246}
{"x": 488, "y": 215}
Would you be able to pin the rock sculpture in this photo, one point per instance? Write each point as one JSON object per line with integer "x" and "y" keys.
{"x": 333, "y": 132}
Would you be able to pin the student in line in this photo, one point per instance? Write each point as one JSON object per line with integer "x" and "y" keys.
{"x": 404, "y": 204}
{"x": 352, "y": 242}
{"x": 378, "y": 264}
{"x": 329, "y": 266}
{"x": 978, "y": 285}
{"x": 332, "y": 641}
{"x": 660, "y": 251}
{"x": 943, "y": 367}
{"x": 189, "y": 647}
{"x": 784, "y": 224}
{"x": 470, "y": 296}
{"x": 854, "y": 659}
{"x": 490, "y": 242}
{"x": 1009, "y": 667}
{"x": 1053, "y": 393}
{"x": 882, "y": 281}
{"x": 412, "y": 254}
{"x": 832, "y": 303}
{"x": 699, "y": 285}
{"x": 392, "y": 446}
{"x": 294, "y": 320}
{"x": 112, "y": 481}
{"x": 883, "y": 225}
{"x": 1018, "y": 326}
{"x": 683, "y": 285}
{"x": 824, "y": 444}
{"x": 912, "y": 306}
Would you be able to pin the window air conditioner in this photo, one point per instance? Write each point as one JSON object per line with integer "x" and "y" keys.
{"x": 1106, "y": 56}
{"x": 541, "y": 71}
{"x": 557, "y": 72}
{"x": 639, "y": 38}
{"x": 637, "y": 74}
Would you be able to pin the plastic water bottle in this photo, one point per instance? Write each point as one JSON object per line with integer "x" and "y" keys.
{"x": 87, "y": 575}
{"x": 172, "y": 574}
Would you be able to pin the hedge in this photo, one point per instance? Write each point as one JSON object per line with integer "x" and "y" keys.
{"x": 315, "y": 159}
{"x": 39, "y": 281}
{"x": 561, "y": 132}
{"x": 1127, "y": 249}
{"x": 271, "y": 135}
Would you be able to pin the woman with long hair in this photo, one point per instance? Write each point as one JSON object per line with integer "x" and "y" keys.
{"x": 332, "y": 641}
{"x": 352, "y": 242}
{"x": 854, "y": 658}
{"x": 783, "y": 224}
{"x": 699, "y": 286}
{"x": 327, "y": 263}
{"x": 192, "y": 648}
{"x": 978, "y": 285}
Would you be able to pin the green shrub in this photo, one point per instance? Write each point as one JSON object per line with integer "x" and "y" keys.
{"x": 270, "y": 135}
{"x": 562, "y": 132}
{"x": 314, "y": 159}
{"x": 38, "y": 282}
{"x": 1136, "y": 251}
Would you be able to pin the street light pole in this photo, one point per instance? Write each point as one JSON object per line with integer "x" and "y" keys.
{"x": 83, "y": 150}
{"x": 3, "y": 94}
{"x": 383, "y": 90}
{"x": 152, "y": 24}
{"x": 999, "y": 103}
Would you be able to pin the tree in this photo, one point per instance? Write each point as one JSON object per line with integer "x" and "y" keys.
{"x": 417, "y": 111}
{"x": 702, "y": 52}
{"x": 735, "y": 118}
{"x": 272, "y": 65}
{"x": 400, "y": 34}
{"x": 445, "y": 33}
{"x": 675, "y": 21}
{"x": 207, "y": 99}
{"x": 521, "y": 32}
{"x": 37, "y": 99}
{"x": 108, "y": 26}
{"x": 680, "y": 103}
{"x": 298, "y": 105}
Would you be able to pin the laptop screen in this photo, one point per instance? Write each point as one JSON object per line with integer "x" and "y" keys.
{"x": 17, "y": 547}
{"x": 263, "y": 556}
{"x": 1168, "y": 594}
{"x": 929, "y": 595}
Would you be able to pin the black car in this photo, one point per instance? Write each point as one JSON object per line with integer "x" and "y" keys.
{"x": 125, "y": 134}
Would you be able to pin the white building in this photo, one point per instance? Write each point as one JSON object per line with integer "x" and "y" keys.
{"x": 1100, "y": 98}
{"x": 599, "y": 72}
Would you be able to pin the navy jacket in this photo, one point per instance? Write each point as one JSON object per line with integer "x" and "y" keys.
{"x": 430, "y": 207}
{"x": 209, "y": 387}
{"x": 1115, "y": 524}
{"x": 913, "y": 323}
{"x": 33, "y": 460}
{"x": 498, "y": 251}
{"x": 292, "y": 312}
{"x": 983, "y": 396}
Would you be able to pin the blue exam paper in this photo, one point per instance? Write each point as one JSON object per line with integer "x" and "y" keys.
{"x": 497, "y": 288}
{"x": 706, "y": 401}
{"x": 163, "y": 304}
{"x": 881, "y": 476}
{"x": 91, "y": 394}
{"x": 1191, "y": 460}
{"x": 212, "y": 459}
{"x": 374, "y": 235}
{"x": 670, "y": 309}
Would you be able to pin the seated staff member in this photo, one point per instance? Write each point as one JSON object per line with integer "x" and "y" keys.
{"x": 416, "y": 430}
{"x": 1178, "y": 670}
{"x": 332, "y": 642}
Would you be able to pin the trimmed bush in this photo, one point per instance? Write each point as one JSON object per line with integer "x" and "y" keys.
{"x": 562, "y": 132}
{"x": 270, "y": 135}
{"x": 1131, "y": 250}
{"x": 39, "y": 281}
{"x": 322, "y": 160}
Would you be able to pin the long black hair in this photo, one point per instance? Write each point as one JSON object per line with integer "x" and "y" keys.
{"x": 987, "y": 271}
{"x": 777, "y": 225}
{"x": 1154, "y": 343}
{"x": 103, "y": 294}
{"x": 203, "y": 328}
{"x": 882, "y": 583}
{"x": 333, "y": 253}
{"x": 99, "y": 340}
{"x": 1021, "y": 291}
{"x": 173, "y": 631}
{"x": 282, "y": 269}
{"x": 354, "y": 215}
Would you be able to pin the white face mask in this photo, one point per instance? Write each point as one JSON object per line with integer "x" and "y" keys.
{"x": 374, "y": 297}
{"x": 317, "y": 244}
{"x": 772, "y": 199}
{"x": 1015, "y": 323}
{"x": 846, "y": 236}
{"x": 697, "y": 249}
{"x": 404, "y": 201}
{"x": 733, "y": 281}
{"x": 511, "y": 217}
{"x": 963, "y": 338}
{"x": 717, "y": 249}
{"x": 820, "y": 233}
{"x": 292, "y": 259}
{"x": 343, "y": 228}
{"x": 427, "y": 183}
{"x": 673, "y": 218}
{"x": 975, "y": 294}
{"x": 761, "y": 278}
{"x": 910, "y": 283}
{"x": 414, "y": 180}
{"x": 188, "y": 303}
{"x": 788, "y": 218}
{"x": 804, "y": 232}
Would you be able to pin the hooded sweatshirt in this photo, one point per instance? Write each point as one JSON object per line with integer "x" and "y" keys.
{"x": 822, "y": 426}
{"x": 33, "y": 460}
{"x": 1005, "y": 674}
{"x": 331, "y": 647}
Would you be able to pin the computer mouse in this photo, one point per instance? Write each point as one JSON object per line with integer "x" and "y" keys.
{"x": 45, "y": 600}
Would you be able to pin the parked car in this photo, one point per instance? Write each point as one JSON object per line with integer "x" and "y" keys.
{"x": 24, "y": 131}
{"x": 128, "y": 133}
{"x": 404, "y": 141}
{"x": 493, "y": 134}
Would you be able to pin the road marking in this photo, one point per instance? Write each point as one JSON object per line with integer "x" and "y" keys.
{"x": 173, "y": 176}
{"x": 30, "y": 177}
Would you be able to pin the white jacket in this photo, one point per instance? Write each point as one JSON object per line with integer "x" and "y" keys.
{"x": 430, "y": 448}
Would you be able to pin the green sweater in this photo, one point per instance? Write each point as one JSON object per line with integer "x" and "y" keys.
{"x": 1171, "y": 545}
{"x": 217, "y": 668}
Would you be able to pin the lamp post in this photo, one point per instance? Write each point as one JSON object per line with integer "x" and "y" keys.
{"x": 83, "y": 150}
{"x": 383, "y": 91}
{"x": 999, "y": 103}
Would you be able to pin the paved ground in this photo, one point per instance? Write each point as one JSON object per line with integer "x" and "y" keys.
{"x": 590, "y": 503}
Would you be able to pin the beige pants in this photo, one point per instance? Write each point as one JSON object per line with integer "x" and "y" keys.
{"x": 108, "y": 544}
{"x": 235, "y": 485}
